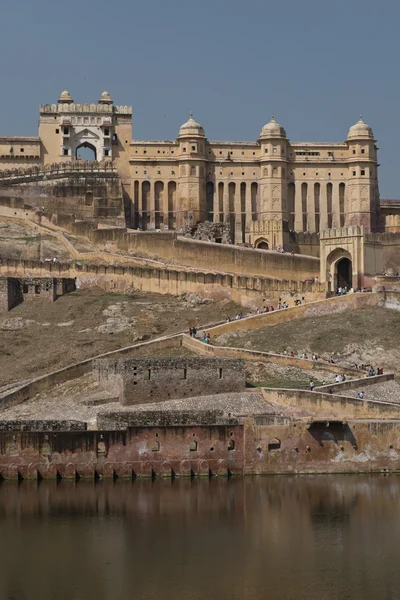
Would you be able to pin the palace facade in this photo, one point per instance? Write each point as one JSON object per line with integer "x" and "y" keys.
{"x": 311, "y": 186}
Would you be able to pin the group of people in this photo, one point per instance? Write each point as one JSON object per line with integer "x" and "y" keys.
{"x": 265, "y": 309}
{"x": 371, "y": 372}
{"x": 302, "y": 355}
{"x": 206, "y": 338}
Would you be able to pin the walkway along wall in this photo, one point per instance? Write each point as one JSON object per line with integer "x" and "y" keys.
{"x": 245, "y": 290}
{"x": 312, "y": 309}
{"x": 266, "y": 357}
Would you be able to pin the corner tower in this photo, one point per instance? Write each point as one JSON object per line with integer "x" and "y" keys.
{"x": 362, "y": 187}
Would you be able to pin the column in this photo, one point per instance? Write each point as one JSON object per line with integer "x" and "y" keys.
{"x": 335, "y": 205}
{"x": 226, "y": 201}
{"x": 152, "y": 207}
{"x": 238, "y": 215}
{"x": 140, "y": 205}
{"x": 298, "y": 210}
{"x": 323, "y": 207}
{"x": 216, "y": 203}
{"x": 311, "y": 207}
{"x": 165, "y": 204}
{"x": 249, "y": 214}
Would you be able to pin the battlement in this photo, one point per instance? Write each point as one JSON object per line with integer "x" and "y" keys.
{"x": 61, "y": 169}
{"x": 339, "y": 232}
{"x": 85, "y": 108}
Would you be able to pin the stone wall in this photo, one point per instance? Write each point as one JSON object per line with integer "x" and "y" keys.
{"x": 40, "y": 384}
{"x": 222, "y": 257}
{"x": 143, "y": 380}
{"x": 13, "y": 291}
{"x": 312, "y": 309}
{"x": 124, "y": 419}
{"x": 195, "y": 345}
{"x": 42, "y": 425}
{"x": 89, "y": 192}
{"x": 256, "y": 446}
{"x": 327, "y": 406}
{"x": 245, "y": 290}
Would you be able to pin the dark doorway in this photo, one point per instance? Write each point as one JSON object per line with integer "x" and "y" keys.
{"x": 262, "y": 246}
{"x": 344, "y": 273}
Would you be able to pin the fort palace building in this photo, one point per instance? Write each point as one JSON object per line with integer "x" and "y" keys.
{"x": 268, "y": 193}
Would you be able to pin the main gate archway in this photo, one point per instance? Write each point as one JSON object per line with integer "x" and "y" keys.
{"x": 344, "y": 273}
{"x": 339, "y": 269}
{"x": 86, "y": 151}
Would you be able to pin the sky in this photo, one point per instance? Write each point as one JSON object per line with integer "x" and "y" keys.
{"x": 315, "y": 65}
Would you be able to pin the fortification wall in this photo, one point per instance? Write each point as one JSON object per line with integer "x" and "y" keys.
{"x": 245, "y": 290}
{"x": 327, "y": 406}
{"x": 89, "y": 191}
{"x": 313, "y": 309}
{"x": 222, "y": 257}
{"x": 258, "y": 446}
{"x": 45, "y": 382}
{"x": 354, "y": 384}
{"x": 139, "y": 381}
{"x": 265, "y": 357}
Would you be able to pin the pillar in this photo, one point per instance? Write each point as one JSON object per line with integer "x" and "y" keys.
{"x": 238, "y": 215}
{"x": 298, "y": 208}
{"x": 335, "y": 205}
{"x": 152, "y": 207}
{"x": 249, "y": 214}
{"x": 226, "y": 202}
{"x": 140, "y": 205}
{"x": 311, "y": 207}
{"x": 323, "y": 208}
{"x": 165, "y": 203}
{"x": 216, "y": 202}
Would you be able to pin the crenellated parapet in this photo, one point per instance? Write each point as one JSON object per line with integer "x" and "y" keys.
{"x": 340, "y": 232}
{"x": 85, "y": 108}
{"x": 54, "y": 170}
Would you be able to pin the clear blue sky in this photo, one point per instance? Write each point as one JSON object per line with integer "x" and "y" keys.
{"x": 315, "y": 64}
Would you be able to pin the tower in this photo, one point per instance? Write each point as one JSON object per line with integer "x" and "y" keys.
{"x": 273, "y": 178}
{"x": 362, "y": 183}
{"x": 191, "y": 202}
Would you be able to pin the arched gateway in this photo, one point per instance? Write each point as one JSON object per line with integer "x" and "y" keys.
{"x": 350, "y": 258}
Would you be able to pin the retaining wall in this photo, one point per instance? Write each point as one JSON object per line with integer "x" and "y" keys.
{"x": 269, "y": 357}
{"x": 329, "y": 405}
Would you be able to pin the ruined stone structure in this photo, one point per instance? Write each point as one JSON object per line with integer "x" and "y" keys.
{"x": 15, "y": 290}
{"x": 141, "y": 380}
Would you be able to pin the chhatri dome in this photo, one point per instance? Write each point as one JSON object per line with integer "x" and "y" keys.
{"x": 65, "y": 98}
{"x": 105, "y": 98}
{"x": 360, "y": 130}
{"x": 191, "y": 127}
{"x": 272, "y": 129}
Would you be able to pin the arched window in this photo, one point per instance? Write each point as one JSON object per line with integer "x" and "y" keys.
{"x": 274, "y": 444}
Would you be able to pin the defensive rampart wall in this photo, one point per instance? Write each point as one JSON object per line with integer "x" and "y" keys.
{"x": 224, "y": 257}
{"x": 245, "y": 290}
{"x": 202, "y": 349}
{"x": 257, "y": 446}
{"x": 328, "y": 406}
{"x": 312, "y": 309}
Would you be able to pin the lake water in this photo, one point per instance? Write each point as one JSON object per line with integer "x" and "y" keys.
{"x": 312, "y": 537}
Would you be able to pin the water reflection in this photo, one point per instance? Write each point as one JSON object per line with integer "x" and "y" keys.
{"x": 311, "y": 537}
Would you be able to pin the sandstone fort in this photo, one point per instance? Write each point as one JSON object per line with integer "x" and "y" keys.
{"x": 245, "y": 240}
